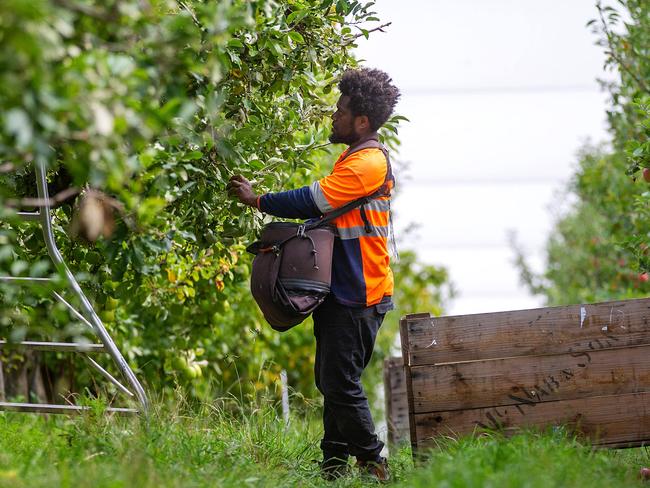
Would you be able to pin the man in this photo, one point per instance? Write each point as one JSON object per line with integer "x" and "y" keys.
{"x": 346, "y": 324}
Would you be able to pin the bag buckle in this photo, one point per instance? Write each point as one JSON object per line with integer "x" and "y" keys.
{"x": 301, "y": 231}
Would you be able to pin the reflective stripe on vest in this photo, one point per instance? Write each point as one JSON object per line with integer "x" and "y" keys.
{"x": 359, "y": 231}
{"x": 319, "y": 197}
{"x": 378, "y": 205}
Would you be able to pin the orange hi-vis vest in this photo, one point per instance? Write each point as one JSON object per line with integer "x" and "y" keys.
{"x": 361, "y": 275}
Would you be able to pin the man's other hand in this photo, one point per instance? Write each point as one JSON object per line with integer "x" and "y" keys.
{"x": 240, "y": 187}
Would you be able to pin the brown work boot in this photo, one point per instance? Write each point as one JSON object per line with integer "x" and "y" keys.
{"x": 377, "y": 470}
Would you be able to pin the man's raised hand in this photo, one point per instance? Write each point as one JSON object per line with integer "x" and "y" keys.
{"x": 240, "y": 187}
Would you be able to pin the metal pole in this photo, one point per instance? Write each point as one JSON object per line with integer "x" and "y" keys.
{"x": 285, "y": 396}
{"x": 73, "y": 310}
{"x": 67, "y": 409}
{"x": 2, "y": 383}
{"x": 107, "y": 375}
{"x": 53, "y": 251}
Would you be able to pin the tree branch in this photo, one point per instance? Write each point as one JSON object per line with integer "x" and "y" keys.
{"x": 191, "y": 12}
{"x": 52, "y": 202}
{"x": 610, "y": 43}
{"x": 363, "y": 34}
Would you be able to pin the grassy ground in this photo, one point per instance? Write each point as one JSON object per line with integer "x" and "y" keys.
{"x": 219, "y": 447}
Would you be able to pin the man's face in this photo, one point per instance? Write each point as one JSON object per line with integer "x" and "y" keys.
{"x": 343, "y": 129}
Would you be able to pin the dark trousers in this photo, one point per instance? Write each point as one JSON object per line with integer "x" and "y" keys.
{"x": 345, "y": 338}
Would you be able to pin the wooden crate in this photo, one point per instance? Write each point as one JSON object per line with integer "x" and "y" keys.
{"x": 397, "y": 412}
{"x": 583, "y": 366}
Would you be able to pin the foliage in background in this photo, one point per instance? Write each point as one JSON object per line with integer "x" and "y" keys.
{"x": 156, "y": 104}
{"x": 598, "y": 249}
{"x": 418, "y": 288}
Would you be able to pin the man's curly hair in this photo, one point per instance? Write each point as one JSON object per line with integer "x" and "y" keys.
{"x": 371, "y": 93}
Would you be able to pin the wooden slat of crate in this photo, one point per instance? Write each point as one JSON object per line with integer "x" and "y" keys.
{"x": 397, "y": 412}
{"x": 554, "y": 330}
{"x": 530, "y": 379}
{"x": 611, "y": 421}
{"x": 404, "y": 339}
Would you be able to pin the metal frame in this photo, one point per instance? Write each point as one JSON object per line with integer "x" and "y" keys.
{"x": 87, "y": 316}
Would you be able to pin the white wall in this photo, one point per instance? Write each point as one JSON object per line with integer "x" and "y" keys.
{"x": 500, "y": 96}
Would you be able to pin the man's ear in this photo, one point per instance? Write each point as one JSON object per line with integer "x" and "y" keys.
{"x": 362, "y": 123}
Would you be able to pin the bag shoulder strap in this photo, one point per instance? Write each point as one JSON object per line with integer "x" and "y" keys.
{"x": 381, "y": 191}
{"x": 373, "y": 143}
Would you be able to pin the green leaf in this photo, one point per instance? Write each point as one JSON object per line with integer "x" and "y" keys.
{"x": 18, "y": 267}
{"x": 235, "y": 43}
{"x": 18, "y": 124}
{"x": 150, "y": 207}
{"x": 342, "y": 7}
{"x": 297, "y": 37}
{"x": 255, "y": 164}
{"x": 296, "y": 16}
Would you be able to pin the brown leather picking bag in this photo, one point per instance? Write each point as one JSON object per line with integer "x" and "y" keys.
{"x": 292, "y": 269}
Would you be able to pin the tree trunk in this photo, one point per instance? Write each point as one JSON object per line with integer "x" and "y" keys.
{"x": 36, "y": 386}
{"x": 16, "y": 379}
{"x": 2, "y": 382}
{"x": 22, "y": 378}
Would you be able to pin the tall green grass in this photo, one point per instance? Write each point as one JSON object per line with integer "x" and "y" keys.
{"x": 233, "y": 445}
{"x": 530, "y": 459}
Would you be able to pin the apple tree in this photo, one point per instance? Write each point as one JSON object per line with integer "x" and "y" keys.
{"x": 598, "y": 249}
{"x": 141, "y": 110}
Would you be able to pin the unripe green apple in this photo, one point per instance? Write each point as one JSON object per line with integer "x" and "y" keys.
{"x": 111, "y": 303}
{"x": 107, "y": 315}
{"x": 178, "y": 363}
{"x": 191, "y": 371}
{"x": 198, "y": 372}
